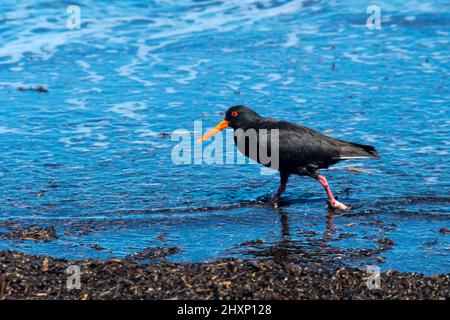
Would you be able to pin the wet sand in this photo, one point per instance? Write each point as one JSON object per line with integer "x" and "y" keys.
{"x": 36, "y": 277}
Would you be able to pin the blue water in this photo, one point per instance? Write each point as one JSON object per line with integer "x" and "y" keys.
{"x": 93, "y": 153}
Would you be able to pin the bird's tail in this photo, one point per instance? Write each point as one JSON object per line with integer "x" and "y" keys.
{"x": 351, "y": 150}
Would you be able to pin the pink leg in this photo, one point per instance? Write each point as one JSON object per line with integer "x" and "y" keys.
{"x": 333, "y": 202}
{"x": 281, "y": 190}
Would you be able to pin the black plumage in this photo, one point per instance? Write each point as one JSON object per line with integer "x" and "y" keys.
{"x": 301, "y": 150}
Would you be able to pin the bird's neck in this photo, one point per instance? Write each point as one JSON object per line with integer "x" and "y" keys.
{"x": 250, "y": 124}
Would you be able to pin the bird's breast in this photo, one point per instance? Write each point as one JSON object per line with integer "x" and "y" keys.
{"x": 257, "y": 144}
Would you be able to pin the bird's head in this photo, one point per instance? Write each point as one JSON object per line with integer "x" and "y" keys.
{"x": 237, "y": 117}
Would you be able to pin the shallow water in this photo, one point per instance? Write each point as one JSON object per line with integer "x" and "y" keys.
{"x": 92, "y": 157}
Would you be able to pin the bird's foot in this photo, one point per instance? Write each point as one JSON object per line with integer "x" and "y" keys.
{"x": 274, "y": 203}
{"x": 339, "y": 205}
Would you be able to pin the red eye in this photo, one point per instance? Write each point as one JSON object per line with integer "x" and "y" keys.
{"x": 234, "y": 114}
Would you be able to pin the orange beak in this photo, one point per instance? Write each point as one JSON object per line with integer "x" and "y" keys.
{"x": 222, "y": 125}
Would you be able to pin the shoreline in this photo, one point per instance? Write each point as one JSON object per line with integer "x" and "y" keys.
{"x": 24, "y": 276}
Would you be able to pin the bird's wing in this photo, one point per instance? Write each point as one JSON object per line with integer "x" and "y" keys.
{"x": 307, "y": 146}
{"x": 299, "y": 145}
{"x": 302, "y": 146}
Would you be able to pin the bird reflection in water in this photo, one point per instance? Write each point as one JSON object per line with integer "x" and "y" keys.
{"x": 308, "y": 250}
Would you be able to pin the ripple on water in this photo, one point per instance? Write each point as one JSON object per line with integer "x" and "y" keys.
{"x": 92, "y": 156}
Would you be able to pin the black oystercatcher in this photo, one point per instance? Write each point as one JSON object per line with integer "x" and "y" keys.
{"x": 301, "y": 150}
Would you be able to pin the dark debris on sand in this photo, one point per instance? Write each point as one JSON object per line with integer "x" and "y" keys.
{"x": 41, "y": 89}
{"x": 35, "y": 277}
{"x": 33, "y": 233}
{"x": 151, "y": 254}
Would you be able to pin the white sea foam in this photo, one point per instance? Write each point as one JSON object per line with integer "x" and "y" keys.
{"x": 77, "y": 102}
{"x": 130, "y": 109}
{"x": 183, "y": 25}
{"x": 292, "y": 40}
{"x": 191, "y": 71}
{"x": 4, "y": 130}
{"x": 92, "y": 75}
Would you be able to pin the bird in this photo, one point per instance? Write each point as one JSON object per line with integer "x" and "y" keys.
{"x": 300, "y": 150}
